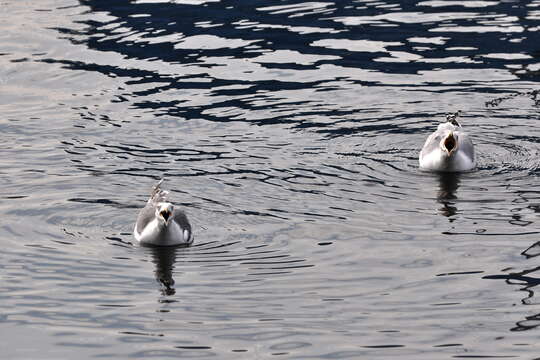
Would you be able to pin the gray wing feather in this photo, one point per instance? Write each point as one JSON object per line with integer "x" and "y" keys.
{"x": 466, "y": 144}
{"x": 158, "y": 195}
{"x": 181, "y": 219}
{"x": 432, "y": 143}
{"x": 146, "y": 215}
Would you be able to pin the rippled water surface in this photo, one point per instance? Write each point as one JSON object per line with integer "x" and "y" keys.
{"x": 289, "y": 132}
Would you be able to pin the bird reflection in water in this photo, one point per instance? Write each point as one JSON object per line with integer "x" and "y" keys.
{"x": 164, "y": 258}
{"x": 448, "y": 185}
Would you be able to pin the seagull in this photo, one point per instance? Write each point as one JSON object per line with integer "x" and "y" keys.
{"x": 160, "y": 224}
{"x": 448, "y": 149}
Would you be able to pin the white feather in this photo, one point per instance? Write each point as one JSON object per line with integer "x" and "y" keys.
{"x": 435, "y": 157}
{"x": 160, "y": 224}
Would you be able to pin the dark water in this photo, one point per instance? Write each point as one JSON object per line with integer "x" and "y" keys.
{"x": 289, "y": 132}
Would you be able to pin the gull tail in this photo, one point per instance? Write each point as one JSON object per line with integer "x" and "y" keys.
{"x": 452, "y": 118}
{"x": 158, "y": 195}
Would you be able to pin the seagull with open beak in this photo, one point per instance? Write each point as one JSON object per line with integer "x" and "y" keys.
{"x": 448, "y": 149}
{"x": 163, "y": 212}
{"x": 161, "y": 224}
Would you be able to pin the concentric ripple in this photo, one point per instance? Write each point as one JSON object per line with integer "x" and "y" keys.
{"x": 289, "y": 133}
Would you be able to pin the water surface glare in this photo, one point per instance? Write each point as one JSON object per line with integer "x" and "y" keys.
{"x": 289, "y": 132}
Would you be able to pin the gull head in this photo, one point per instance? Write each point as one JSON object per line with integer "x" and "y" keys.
{"x": 449, "y": 144}
{"x": 164, "y": 211}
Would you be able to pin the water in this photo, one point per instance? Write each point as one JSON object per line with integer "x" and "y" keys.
{"x": 289, "y": 132}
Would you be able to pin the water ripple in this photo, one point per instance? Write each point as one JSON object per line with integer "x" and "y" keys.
{"x": 289, "y": 133}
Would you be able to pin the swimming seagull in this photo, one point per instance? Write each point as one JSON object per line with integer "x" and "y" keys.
{"x": 159, "y": 223}
{"x": 448, "y": 149}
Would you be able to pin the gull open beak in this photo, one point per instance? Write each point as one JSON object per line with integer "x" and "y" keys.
{"x": 165, "y": 214}
{"x": 450, "y": 143}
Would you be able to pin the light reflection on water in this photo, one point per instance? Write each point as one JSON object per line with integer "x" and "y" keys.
{"x": 289, "y": 133}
